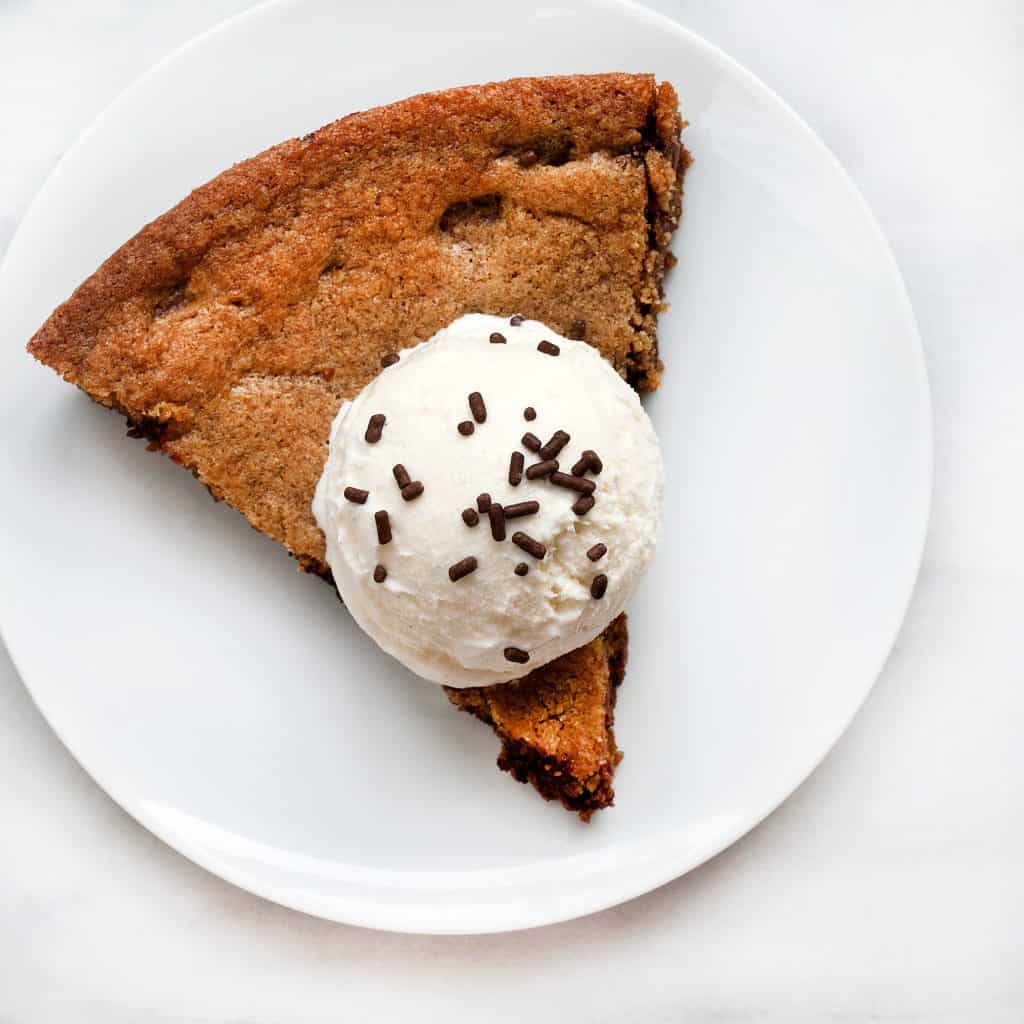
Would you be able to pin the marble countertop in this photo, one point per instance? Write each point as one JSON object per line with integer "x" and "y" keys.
{"x": 890, "y": 887}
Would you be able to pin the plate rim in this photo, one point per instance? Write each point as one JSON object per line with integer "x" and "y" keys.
{"x": 465, "y": 920}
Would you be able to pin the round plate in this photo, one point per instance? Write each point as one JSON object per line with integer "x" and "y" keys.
{"x": 229, "y": 704}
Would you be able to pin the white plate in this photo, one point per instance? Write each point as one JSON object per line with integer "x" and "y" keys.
{"x": 228, "y": 703}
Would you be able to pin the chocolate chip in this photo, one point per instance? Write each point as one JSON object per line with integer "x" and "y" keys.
{"x": 496, "y": 514}
{"x": 529, "y": 544}
{"x": 527, "y": 158}
{"x": 483, "y": 502}
{"x": 375, "y": 427}
{"x": 383, "y": 527}
{"x": 597, "y": 552}
{"x": 530, "y": 442}
{"x": 356, "y": 495}
{"x": 470, "y": 516}
{"x": 477, "y": 407}
{"x": 466, "y": 428}
{"x": 578, "y": 330}
{"x": 522, "y": 508}
{"x": 462, "y": 568}
{"x": 380, "y": 574}
{"x": 559, "y": 439}
{"x": 497, "y": 338}
{"x": 401, "y": 476}
{"x": 674, "y": 152}
{"x": 515, "y": 468}
{"x": 579, "y": 484}
{"x": 521, "y": 569}
{"x": 389, "y": 360}
{"x": 516, "y": 320}
{"x": 539, "y": 469}
{"x": 599, "y": 586}
{"x": 517, "y": 655}
{"x": 548, "y": 349}
{"x": 412, "y": 491}
{"x": 529, "y": 413}
{"x": 581, "y": 506}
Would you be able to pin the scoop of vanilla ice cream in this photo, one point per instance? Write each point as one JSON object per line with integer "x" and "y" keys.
{"x": 476, "y": 630}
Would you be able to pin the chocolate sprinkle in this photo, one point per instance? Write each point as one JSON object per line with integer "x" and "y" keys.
{"x": 574, "y": 483}
{"x": 389, "y": 360}
{"x": 559, "y": 439}
{"x": 477, "y": 407}
{"x": 401, "y": 475}
{"x": 462, "y": 568}
{"x": 515, "y": 469}
{"x": 470, "y": 516}
{"x": 529, "y": 545}
{"x": 466, "y": 428}
{"x": 539, "y": 469}
{"x": 599, "y": 586}
{"x": 522, "y": 508}
{"x": 380, "y": 574}
{"x": 497, "y": 338}
{"x": 375, "y": 427}
{"x": 548, "y": 349}
{"x": 483, "y": 502}
{"x": 517, "y": 654}
{"x": 597, "y": 552}
{"x": 383, "y": 527}
{"x": 529, "y": 413}
{"x": 578, "y": 331}
{"x": 356, "y": 495}
{"x": 521, "y": 569}
{"x": 581, "y": 506}
{"x": 589, "y": 462}
{"x": 496, "y": 514}
{"x": 530, "y": 441}
{"x": 516, "y": 320}
{"x": 412, "y": 491}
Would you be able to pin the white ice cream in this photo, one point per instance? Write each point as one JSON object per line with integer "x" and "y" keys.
{"x": 457, "y": 633}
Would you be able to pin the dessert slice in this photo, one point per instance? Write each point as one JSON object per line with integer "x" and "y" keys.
{"x": 230, "y": 330}
{"x": 555, "y": 724}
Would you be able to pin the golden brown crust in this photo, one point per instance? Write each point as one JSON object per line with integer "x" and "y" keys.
{"x": 555, "y": 724}
{"x": 231, "y": 328}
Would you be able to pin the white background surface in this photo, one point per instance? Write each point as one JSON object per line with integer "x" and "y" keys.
{"x": 890, "y": 886}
